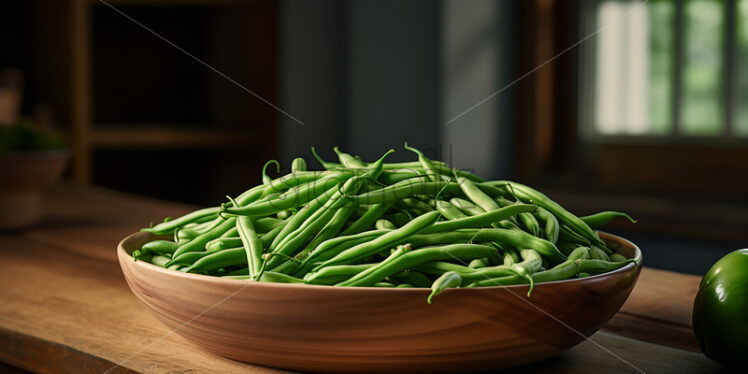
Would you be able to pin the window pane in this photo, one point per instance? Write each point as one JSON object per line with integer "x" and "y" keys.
{"x": 701, "y": 112}
{"x": 741, "y": 124}
{"x": 634, "y": 67}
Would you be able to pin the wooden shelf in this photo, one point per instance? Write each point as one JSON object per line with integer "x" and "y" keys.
{"x": 169, "y": 137}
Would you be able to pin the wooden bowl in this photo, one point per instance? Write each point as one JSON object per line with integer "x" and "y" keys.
{"x": 24, "y": 177}
{"x": 368, "y": 330}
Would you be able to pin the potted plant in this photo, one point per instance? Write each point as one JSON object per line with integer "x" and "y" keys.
{"x": 32, "y": 157}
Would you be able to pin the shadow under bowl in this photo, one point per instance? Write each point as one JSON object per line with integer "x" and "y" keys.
{"x": 377, "y": 330}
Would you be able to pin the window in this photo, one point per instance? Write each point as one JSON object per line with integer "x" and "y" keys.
{"x": 664, "y": 70}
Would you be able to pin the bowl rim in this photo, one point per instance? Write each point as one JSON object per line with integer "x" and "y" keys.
{"x": 123, "y": 254}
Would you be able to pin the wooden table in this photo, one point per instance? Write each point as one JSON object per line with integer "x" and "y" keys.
{"x": 65, "y": 307}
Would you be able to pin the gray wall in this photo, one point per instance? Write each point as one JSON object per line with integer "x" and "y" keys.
{"x": 477, "y": 62}
{"x": 368, "y": 75}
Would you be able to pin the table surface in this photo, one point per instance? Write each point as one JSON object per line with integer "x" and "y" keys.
{"x": 65, "y": 307}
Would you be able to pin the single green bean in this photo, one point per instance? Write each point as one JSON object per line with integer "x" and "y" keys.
{"x": 221, "y": 259}
{"x": 161, "y": 247}
{"x": 480, "y": 220}
{"x": 431, "y": 171}
{"x": 169, "y": 226}
{"x": 383, "y": 224}
{"x": 298, "y": 164}
{"x": 416, "y": 257}
{"x": 449, "y": 279}
{"x": 449, "y": 211}
{"x": 599, "y": 219}
{"x": 477, "y": 196}
{"x": 251, "y": 243}
{"x": 348, "y": 160}
{"x": 335, "y": 274}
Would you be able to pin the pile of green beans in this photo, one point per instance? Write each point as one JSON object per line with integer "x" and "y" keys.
{"x": 358, "y": 224}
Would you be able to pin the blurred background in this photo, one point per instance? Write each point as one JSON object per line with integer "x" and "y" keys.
{"x": 602, "y": 104}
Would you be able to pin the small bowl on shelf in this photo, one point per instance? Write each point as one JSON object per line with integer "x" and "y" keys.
{"x": 25, "y": 175}
{"x": 377, "y": 330}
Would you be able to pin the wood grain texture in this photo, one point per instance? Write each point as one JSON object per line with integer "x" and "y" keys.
{"x": 376, "y": 330}
{"x": 65, "y": 306}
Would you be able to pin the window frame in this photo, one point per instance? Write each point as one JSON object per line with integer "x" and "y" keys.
{"x": 587, "y": 73}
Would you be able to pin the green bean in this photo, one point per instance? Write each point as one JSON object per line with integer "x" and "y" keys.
{"x": 600, "y": 266}
{"x": 511, "y": 256}
{"x": 599, "y": 219}
{"x": 268, "y": 238}
{"x": 467, "y": 207}
{"x": 301, "y": 216}
{"x": 331, "y": 229}
{"x": 389, "y": 177}
{"x": 617, "y": 257}
{"x": 383, "y": 224}
{"x": 414, "y": 204}
{"x": 518, "y": 239}
{"x": 449, "y": 211}
{"x": 251, "y": 243}
{"x": 298, "y": 164}
{"x": 159, "y": 260}
{"x": 416, "y": 257}
{"x": 265, "y": 178}
{"x": 478, "y": 263}
{"x": 187, "y": 259}
{"x": 329, "y": 248}
{"x": 431, "y": 171}
{"x": 414, "y": 278}
{"x": 477, "y": 196}
{"x": 529, "y": 195}
{"x": 198, "y": 243}
{"x": 440, "y": 267}
{"x": 566, "y": 234}
{"x": 449, "y": 279}
{"x": 480, "y": 220}
{"x": 169, "y": 226}
{"x": 229, "y": 234}
{"x": 161, "y": 247}
{"x": 405, "y": 285}
{"x": 580, "y": 253}
{"x": 348, "y": 160}
{"x": 325, "y": 164}
{"x": 268, "y": 276}
{"x": 314, "y": 223}
{"x": 240, "y": 271}
{"x": 222, "y": 243}
{"x": 334, "y": 274}
{"x": 394, "y": 193}
{"x": 384, "y": 284}
{"x": 390, "y": 238}
{"x": 367, "y": 220}
{"x": 527, "y": 220}
{"x": 598, "y": 254}
{"x": 291, "y": 180}
{"x": 221, "y": 259}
